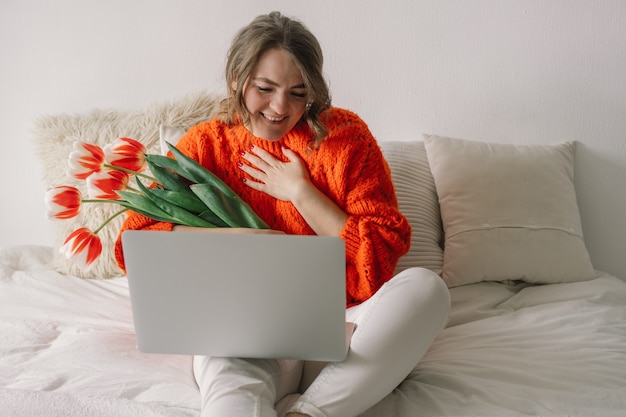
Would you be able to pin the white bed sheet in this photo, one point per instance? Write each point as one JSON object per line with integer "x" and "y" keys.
{"x": 67, "y": 348}
{"x": 70, "y": 336}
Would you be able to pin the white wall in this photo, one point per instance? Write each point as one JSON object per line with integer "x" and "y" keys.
{"x": 522, "y": 71}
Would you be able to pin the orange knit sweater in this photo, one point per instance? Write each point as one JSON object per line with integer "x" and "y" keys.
{"x": 348, "y": 167}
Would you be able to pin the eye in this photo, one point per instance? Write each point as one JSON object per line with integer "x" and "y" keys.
{"x": 298, "y": 94}
{"x": 263, "y": 89}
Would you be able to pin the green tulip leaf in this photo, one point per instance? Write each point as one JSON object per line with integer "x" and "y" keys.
{"x": 142, "y": 205}
{"x": 198, "y": 173}
{"x": 211, "y": 217}
{"x": 189, "y": 202}
{"x": 179, "y": 214}
{"x": 232, "y": 210}
{"x": 169, "y": 164}
{"x": 168, "y": 179}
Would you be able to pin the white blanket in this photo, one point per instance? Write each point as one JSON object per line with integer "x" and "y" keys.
{"x": 67, "y": 348}
{"x": 557, "y": 350}
{"x": 73, "y": 336}
{"x": 20, "y": 403}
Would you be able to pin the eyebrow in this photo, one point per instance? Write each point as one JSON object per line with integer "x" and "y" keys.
{"x": 268, "y": 81}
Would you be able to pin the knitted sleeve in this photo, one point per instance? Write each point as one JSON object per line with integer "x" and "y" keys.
{"x": 376, "y": 233}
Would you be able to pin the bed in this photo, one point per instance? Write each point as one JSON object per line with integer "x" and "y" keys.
{"x": 534, "y": 329}
{"x": 68, "y": 349}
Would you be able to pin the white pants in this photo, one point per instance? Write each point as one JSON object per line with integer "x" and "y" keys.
{"x": 394, "y": 328}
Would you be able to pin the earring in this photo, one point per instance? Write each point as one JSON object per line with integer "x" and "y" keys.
{"x": 308, "y": 105}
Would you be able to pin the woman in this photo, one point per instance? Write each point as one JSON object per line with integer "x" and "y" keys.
{"x": 308, "y": 168}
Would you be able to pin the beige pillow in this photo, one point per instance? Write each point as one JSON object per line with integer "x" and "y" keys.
{"x": 417, "y": 199}
{"x": 55, "y": 134}
{"x": 509, "y": 212}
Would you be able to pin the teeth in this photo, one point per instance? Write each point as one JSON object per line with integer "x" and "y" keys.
{"x": 273, "y": 119}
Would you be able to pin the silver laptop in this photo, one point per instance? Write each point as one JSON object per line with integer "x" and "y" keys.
{"x": 238, "y": 295}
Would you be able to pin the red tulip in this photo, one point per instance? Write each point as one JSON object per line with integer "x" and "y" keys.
{"x": 63, "y": 202}
{"x": 103, "y": 184}
{"x": 82, "y": 247}
{"x": 126, "y": 153}
{"x": 85, "y": 160}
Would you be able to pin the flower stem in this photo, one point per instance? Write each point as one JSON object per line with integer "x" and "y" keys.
{"x": 97, "y": 200}
{"x": 109, "y": 220}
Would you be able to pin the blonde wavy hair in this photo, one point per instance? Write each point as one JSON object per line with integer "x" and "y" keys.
{"x": 276, "y": 31}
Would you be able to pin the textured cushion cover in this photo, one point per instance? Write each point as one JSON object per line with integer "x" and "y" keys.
{"x": 509, "y": 212}
{"x": 55, "y": 134}
{"x": 417, "y": 200}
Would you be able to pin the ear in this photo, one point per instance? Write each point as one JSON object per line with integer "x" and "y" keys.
{"x": 233, "y": 85}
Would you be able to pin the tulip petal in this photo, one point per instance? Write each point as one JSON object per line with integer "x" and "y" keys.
{"x": 85, "y": 160}
{"x": 105, "y": 184}
{"x": 62, "y": 202}
{"x": 126, "y": 153}
{"x": 82, "y": 247}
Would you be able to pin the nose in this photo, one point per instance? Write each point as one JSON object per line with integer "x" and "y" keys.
{"x": 279, "y": 103}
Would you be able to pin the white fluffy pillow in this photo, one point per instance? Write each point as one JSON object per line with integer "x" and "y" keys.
{"x": 417, "y": 199}
{"x": 55, "y": 134}
{"x": 509, "y": 212}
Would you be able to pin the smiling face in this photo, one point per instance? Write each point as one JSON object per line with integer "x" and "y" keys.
{"x": 274, "y": 95}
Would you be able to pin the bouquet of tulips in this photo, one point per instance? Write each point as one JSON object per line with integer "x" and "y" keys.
{"x": 181, "y": 191}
